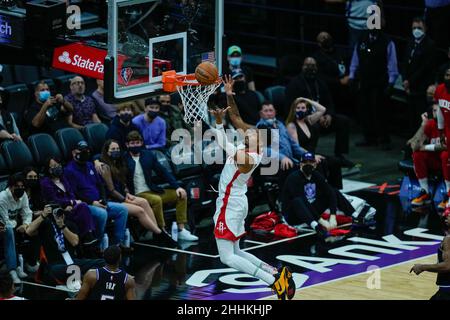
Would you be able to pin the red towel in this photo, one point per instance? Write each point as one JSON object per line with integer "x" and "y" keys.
{"x": 265, "y": 222}
{"x": 285, "y": 231}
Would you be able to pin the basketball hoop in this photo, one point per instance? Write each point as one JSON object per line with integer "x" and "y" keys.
{"x": 194, "y": 95}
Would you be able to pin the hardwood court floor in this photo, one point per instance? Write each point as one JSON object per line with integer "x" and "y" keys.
{"x": 396, "y": 284}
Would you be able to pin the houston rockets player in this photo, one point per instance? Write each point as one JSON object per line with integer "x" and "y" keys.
{"x": 232, "y": 205}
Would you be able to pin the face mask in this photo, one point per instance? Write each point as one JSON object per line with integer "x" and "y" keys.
{"x": 125, "y": 117}
{"x": 135, "y": 150}
{"x": 301, "y": 114}
{"x": 32, "y": 183}
{"x": 308, "y": 169}
{"x": 152, "y": 114}
{"x": 44, "y": 95}
{"x": 19, "y": 192}
{"x": 56, "y": 171}
{"x": 240, "y": 86}
{"x": 310, "y": 73}
{"x": 83, "y": 156}
{"x": 235, "y": 62}
{"x": 116, "y": 155}
{"x": 327, "y": 44}
{"x": 418, "y": 33}
{"x": 269, "y": 122}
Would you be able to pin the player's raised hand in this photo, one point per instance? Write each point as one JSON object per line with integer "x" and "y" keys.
{"x": 228, "y": 84}
{"x": 219, "y": 114}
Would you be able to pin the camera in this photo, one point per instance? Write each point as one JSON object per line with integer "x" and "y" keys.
{"x": 58, "y": 212}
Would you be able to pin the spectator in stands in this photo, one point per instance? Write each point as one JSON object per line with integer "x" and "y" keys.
{"x": 84, "y": 111}
{"x": 375, "y": 60}
{"x": 59, "y": 238}
{"x": 33, "y": 190}
{"x": 57, "y": 189}
{"x": 47, "y": 113}
{"x": 14, "y": 208}
{"x": 247, "y": 101}
{"x": 8, "y": 126}
{"x": 437, "y": 14}
{"x": 105, "y": 110}
{"x": 115, "y": 175}
{"x": 307, "y": 195}
{"x": 173, "y": 116}
{"x": 357, "y": 16}
{"x": 7, "y": 288}
{"x": 152, "y": 126}
{"x": 441, "y": 70}
{"x": 89, "y": 187}
{"x": 141, "y": 163}
{"x": 310, "y": 85}
{"x": 429, "y": 154}
{"x": 235, "y": 62}
{"x": 333, "y": 70}
{"x": 418, "y": 70}
{"x": 122, "y": 124}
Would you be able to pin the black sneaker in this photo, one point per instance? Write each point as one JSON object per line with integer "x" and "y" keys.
{"x": 345, "y": 163}
{"x": 321, "y": 233}
{"x": 165, "y": 240}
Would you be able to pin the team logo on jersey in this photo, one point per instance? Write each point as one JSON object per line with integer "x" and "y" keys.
{"x": 126, "y": 74}
{"x": 221, "y": 227}
{"x": 444, "y": 104}
{"x": 310, "y": 191}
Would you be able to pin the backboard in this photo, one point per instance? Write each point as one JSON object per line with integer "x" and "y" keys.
{"x": 148, "y": 37}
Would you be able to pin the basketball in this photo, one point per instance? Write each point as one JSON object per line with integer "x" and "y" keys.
{"x": 206, "y": 73}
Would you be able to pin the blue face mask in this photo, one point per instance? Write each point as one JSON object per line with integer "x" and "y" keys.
{"x": 418, "y": 33}
{"x": 235, "y": 62}
{"x": 269, "y": 122}
{"x": 44, "y": 95}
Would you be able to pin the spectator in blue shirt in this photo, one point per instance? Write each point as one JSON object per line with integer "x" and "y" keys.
{"x": 152, "y": 126}
{"x": 89, "y": 187}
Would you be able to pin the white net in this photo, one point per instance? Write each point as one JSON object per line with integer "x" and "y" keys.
{"x": 195, "y": 101}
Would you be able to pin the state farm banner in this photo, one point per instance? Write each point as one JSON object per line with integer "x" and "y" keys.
{"x": 81, "y": 59}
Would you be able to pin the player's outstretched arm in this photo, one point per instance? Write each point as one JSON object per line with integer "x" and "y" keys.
{"x": 234, "y": 114}
{"x": 441, "y": 267}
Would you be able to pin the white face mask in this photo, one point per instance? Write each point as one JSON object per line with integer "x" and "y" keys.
{"x": 418, "y": 33}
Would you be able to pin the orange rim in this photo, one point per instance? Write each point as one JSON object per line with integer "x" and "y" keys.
{"x": 171, "y": 80}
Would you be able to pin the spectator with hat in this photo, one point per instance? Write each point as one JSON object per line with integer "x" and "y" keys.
{"x": 235, "y": 60}
{"x": 307, "y": 195}
{"x": 88, "y": 186}
{"x": 151, "y": 125}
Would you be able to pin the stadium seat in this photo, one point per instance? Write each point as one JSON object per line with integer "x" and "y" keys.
{"x": 43, "y": 146}
{"x": 7, "y": 75}
{"x": 67, "y": 138}
{"x": 17, "y": 155}
{"x": 50, "y": 73}
{"x": 185, "y": 170}
{"x": 19, "y": 98}
{"x": 95, "y": 136}
{"x": 63, "y": 83}
{"x": 276, "y": 95}
{"x": 261, "y": 97}
{"x": 26, "y": 74}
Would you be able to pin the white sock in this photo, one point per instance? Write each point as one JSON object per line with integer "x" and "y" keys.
{"x": 314, "y": 224}
{"x": 447, "y": 185}
{"x": 424, "y": 184}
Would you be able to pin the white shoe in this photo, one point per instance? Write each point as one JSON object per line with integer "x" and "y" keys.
{"x": 32, "y": 269}
{"x": 15, "y": 277}
{"x": 186, "y": 235}
{"x": 21, "y": 273}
